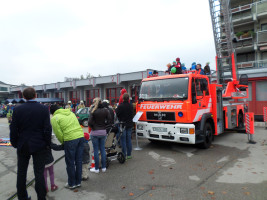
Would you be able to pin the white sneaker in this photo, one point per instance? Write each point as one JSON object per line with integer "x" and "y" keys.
{"x": 104, "y": 169}
{"x": 94, "y": 170}
{"x": 70, "y": 187}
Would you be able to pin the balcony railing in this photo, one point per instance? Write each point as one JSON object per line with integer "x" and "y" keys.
{"x": 252, "y": 64}
{"x": 246, "y": 11}
{"x": 262, "y": 38}
{"x": 259, "y": 7}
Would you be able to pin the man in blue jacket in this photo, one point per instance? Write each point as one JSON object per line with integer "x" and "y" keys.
{"x": 30, "y": 134}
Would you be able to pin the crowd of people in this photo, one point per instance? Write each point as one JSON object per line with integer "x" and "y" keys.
{"x": 31, "y": 129}
{"x": 179, "y": 68}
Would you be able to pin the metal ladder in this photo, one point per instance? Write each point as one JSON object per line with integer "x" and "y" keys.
{"x": 221, "y": 18}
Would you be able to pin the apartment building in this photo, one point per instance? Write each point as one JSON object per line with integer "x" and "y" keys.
{"x": 249, "y": 18}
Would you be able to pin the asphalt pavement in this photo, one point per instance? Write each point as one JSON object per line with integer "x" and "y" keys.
{"x": 231, "y": 169}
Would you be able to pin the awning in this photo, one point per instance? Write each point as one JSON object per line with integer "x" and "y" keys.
{"x": 42, "y": 100}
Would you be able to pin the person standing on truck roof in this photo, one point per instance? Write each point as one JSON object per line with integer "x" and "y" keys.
{"x": 173, "y": 64}
{"x": 168, "y": 68}
{"x": 193, "y": 67}
{"x": 207, "y": 69}
{"x": 199, "y": 69}
{"x": 183, "y": 68}
{"x": 178, "y": 66}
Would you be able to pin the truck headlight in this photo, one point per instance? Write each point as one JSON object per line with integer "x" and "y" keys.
{"x": 184, "y": 130}
{"x": 140, "y": 127}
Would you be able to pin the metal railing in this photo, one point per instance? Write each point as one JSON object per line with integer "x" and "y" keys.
{"x": 244, "y": 11}
{"x": 262, "y": 37}
{"x": 252, "y": 64}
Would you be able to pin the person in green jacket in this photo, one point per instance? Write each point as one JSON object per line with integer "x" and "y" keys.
{"x": 69, "y": 132}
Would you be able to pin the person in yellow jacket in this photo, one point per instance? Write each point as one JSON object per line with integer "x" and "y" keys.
{"x": 9, "y": 114}
{"x": 81, "y": 105}
{"x": 69, "y": 132}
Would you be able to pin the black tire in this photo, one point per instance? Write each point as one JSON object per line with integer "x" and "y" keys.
{"x": 85, "y": 123}
{"x": 208, "y": 134}
{"x": 121, "y": 157}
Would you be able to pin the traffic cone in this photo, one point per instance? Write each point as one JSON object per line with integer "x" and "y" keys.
{"x": 92, "y": 161}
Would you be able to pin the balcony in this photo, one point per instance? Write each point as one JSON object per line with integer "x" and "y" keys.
{"x": 245, "y": 44}
{"x": 252, "y": 65}
{"x": 262, "y": 39}
{"x": 249, "y": 13}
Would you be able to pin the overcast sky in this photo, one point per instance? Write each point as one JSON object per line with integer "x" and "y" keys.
{"x": 45, "y": 41}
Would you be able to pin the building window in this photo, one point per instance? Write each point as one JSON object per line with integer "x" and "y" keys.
{"x": 90, "y": 95}
{"x": 3, "y": 89}
{"x": 264, "y": 27}
{"x": 46, "y": 95}
{"x": 59, "y": 95}
{"x": 75, "y": 97}
{"x": 245, "y": 57}
{"x": 261, "y": 92}
{"x": 113, "y": 95}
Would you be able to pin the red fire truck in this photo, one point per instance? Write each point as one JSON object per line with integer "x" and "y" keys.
{"x": 190, "y": 108}
{"x": 187, "y": 108}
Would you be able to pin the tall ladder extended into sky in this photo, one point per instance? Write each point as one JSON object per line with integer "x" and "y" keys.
{"x": 221, "y": 17}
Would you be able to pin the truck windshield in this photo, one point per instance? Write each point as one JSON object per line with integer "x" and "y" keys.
{"x": 165, "y": 89}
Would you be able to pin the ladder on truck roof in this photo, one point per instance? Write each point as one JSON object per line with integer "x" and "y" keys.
{"x": 221, "y": 18}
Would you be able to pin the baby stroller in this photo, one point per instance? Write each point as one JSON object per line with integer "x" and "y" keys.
{"x": 112, "y": 142}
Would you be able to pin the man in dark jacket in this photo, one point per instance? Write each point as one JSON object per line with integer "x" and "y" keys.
{"x": 125, "y": 114}
{"x": 30, "y": 134}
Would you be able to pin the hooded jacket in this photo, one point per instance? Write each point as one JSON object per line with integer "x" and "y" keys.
{"x": 66, "y": 126}
{"x": 125, "y": 114}
{"x": 123, "y": 91}
{"x": 99, "y": 119}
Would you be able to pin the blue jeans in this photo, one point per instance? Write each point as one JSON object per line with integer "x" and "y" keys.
{"x": 73, "y": 158}
{"x": 99, "y": 144}
{"x": 126, "y": 141}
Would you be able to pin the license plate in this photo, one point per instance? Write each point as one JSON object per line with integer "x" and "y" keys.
{"x": 159, "y": 129}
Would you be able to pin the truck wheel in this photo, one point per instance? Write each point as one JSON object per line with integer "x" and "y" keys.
{"x": 85, "y": 123}
{"x": 208, "y": 137}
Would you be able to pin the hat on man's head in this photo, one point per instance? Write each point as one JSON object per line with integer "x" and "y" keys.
{"x": 81, "y": 101}
{"x": 174, "y": 62}
{"x": 69, "y": 101}
{"x": 10, "y": 104}
{"x": 178, "y": 59}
